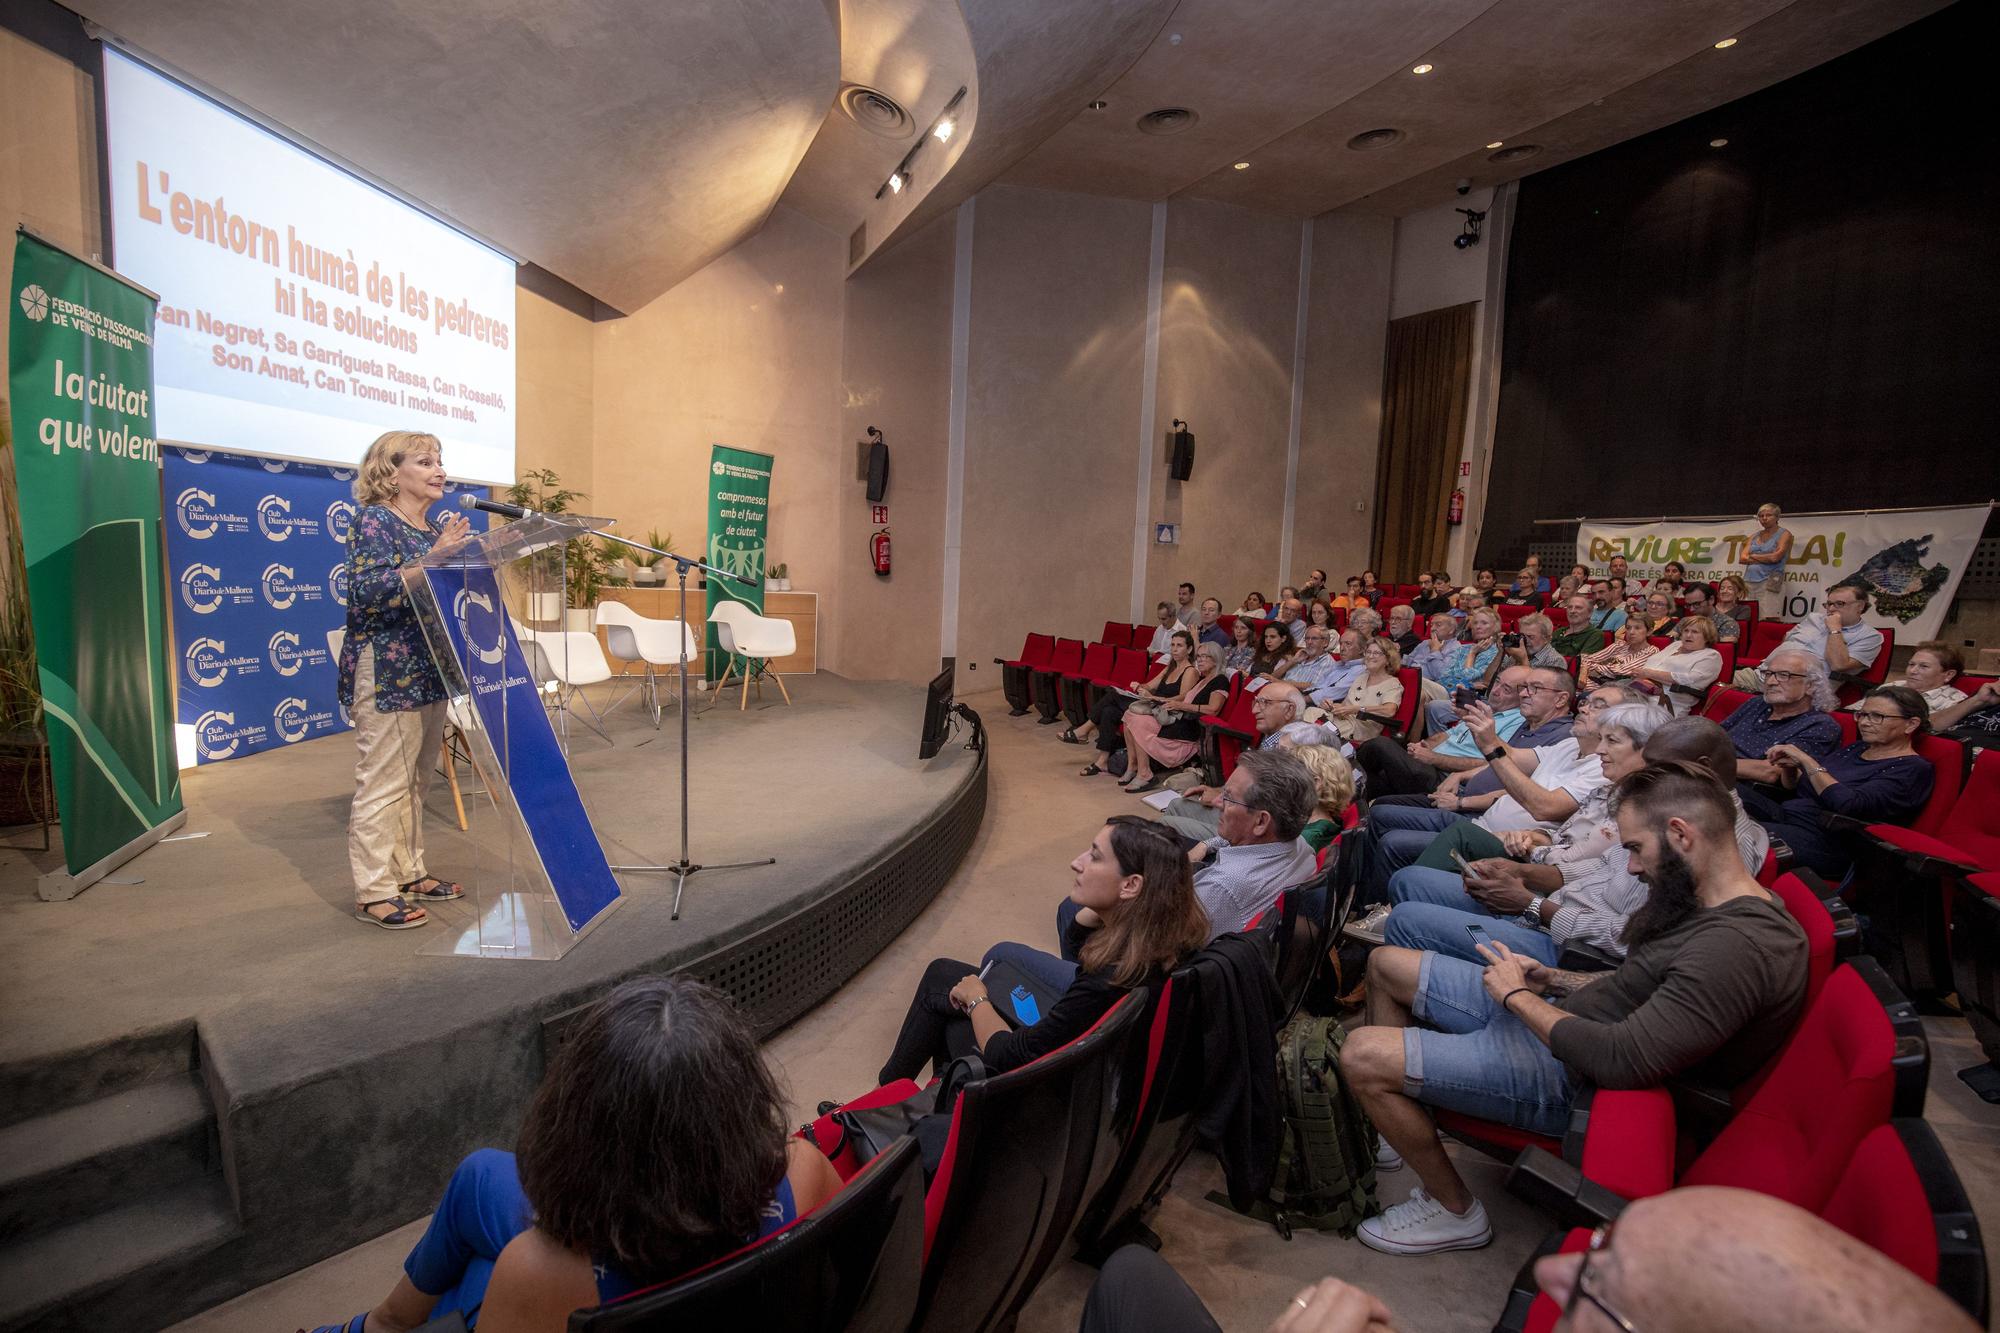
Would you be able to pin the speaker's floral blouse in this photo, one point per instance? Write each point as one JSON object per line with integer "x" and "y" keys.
{"x": 379, "y": 613}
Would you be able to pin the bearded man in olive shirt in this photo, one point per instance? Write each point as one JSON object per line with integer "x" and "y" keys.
{"x": 1712, "y": 985}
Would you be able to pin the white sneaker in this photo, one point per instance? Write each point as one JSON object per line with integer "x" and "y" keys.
{"x": 1369, "y": 929}
{"x": 1422, "y": 1225}
{"x": 1387, "y": 1158}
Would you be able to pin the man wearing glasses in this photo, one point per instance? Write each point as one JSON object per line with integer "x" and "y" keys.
{"x": 1787, "y": 713}
{"x": 1197, "y": 812}
{"x": 1837, "y": 636}
{"x": 1711, "y": 987}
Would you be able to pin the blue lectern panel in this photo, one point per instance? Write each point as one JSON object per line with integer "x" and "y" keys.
{"x": 510, "y": 708}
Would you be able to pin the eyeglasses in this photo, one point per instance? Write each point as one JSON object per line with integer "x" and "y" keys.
{"x": 1600, "y": 1240}
{"x": 1878, "y": 716}
{"x": 1532, "y": 688}
{"x": 1227, "y": 799}
{"x": 1782, "y": 675}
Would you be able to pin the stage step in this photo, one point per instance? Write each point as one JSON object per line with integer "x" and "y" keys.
{"x": 81, "y": 1160}
{"x": 30, "y": 1088}
{"x": 48, "y": 1281}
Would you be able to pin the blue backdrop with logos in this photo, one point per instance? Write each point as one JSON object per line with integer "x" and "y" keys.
{"x": 257, "y": 558}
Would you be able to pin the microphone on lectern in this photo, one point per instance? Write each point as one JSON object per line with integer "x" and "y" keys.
{"x": 471, "y": 501}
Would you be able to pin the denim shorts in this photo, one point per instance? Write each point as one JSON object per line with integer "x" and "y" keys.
{"x": 1480, "y": 1060}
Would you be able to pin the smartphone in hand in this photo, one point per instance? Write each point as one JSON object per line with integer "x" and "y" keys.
{"x": 1465, "y": 866}
{"x": 1464, "y": 697}
{"x": 1479, "y": 937}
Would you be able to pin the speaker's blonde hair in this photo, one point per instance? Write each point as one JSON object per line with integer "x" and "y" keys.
{"x": 375, "y": 483}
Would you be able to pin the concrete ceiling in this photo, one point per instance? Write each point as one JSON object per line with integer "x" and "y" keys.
{"x": 1284, "y": 85}
{"x": 623, "y": 145}
{"x": 617, "y": 143}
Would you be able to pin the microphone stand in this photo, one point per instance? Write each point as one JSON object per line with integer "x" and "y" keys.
{"x": 683, "y": 868}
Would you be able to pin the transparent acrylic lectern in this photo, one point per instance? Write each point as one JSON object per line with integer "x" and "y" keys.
{"x": 539, "y": 881}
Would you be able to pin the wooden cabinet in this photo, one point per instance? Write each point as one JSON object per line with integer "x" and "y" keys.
{"x": 801, "y": 608}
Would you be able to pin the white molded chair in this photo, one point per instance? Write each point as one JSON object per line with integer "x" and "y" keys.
{"x": 757, "y": 639}
{"x": 636, "y": 638}
{"x": 565, "y": 661}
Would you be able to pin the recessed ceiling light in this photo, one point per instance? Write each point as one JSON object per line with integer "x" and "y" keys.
{"x": 1097, "y": 105}
{"x": 1718, "y": 143}
{"x": 1243, "y": 166}
{"x": 1495, "y": 144}
{"x": 1725, "y": 44}
{"x": 895, "y": 182}
{"x": 1422, "y": 69}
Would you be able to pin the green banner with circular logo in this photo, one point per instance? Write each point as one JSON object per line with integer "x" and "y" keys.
{"x": 739, "y": 508}
{"x": 80, "y": 375}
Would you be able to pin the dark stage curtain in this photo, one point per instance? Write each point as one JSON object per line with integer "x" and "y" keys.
{"x": 1426, "y": 377}
{"x": 1804, "y": 315}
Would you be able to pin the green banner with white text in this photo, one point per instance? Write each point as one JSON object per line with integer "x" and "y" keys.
{"x": 80, "y": 380}
{"x": 739, "y": 508}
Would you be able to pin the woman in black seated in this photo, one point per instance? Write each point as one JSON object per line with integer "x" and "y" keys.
{"x": 1880, "y": 779}
{"x": 1107, "y": 719}
{"x": 625, "y": 1175}
{"x": 1274, "y": 651}
{"x": 1134, "y": 886}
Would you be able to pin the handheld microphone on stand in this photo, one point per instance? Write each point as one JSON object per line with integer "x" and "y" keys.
{"x": 505, "y": 510}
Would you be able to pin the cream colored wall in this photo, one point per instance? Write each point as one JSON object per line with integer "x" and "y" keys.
{"x": 48, "y": 154}
{"x": 553, "y": 388}
{"x": 1228, "y": 324}
{"x": 1346, "y": 330}
{"x": 896, "y": 375}
{"x": 1057, "y": 324}
{"x": 746, "y": 352}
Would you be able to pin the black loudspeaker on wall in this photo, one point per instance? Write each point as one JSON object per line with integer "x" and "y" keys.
{"x": 1180, "y": 452}
{"x": 878, "y": 467}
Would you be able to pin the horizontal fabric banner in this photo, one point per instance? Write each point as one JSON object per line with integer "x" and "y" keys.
{"x": 1909, "y": 562}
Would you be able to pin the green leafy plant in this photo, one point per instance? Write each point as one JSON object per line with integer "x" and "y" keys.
{"x": 541, "y": 490}
{"x": 649, "y": 559}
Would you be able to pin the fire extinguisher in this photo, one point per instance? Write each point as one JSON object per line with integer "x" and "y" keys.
{"x": 1455, "y": 514}
{"x": 878, "y": 551}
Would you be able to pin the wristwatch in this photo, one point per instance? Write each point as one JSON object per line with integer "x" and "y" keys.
{"x": 1535, "y": 908}
{"x": 1495, "y": 753}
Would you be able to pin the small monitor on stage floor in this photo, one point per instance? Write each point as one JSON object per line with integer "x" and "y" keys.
{"x": 937, "y": 713}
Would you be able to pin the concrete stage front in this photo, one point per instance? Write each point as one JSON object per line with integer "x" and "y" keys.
{"x": 217, "y": 1076}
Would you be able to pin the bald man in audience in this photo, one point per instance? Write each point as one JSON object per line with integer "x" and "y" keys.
{"x": 1687, "y": 1261}
{"x": 1197, "y": 812}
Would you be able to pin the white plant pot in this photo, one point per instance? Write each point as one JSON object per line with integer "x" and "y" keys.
{"x": 582, "y": 621}
{"x": 545, "y": 608}
{"x": 647, "y": 577}
{"x": 772, "y": 585}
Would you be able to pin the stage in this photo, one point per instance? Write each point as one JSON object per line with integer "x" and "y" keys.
{"x": 217, "y": 1076}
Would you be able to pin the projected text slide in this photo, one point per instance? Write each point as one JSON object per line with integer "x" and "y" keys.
{"x": 302, "y": 310}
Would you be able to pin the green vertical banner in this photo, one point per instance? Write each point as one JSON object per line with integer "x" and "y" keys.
{"x": 80, "y": 374}
{"x": 739, "y": 509}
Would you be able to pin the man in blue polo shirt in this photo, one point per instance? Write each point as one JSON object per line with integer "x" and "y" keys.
{"x": 1395, "y": 771}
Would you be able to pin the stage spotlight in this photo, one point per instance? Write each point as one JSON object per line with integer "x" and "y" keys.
{"x": 1468, "y": 238}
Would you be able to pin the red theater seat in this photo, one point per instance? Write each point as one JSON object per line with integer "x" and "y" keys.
{"x": 1224, "y": 735}
{"x": 852, "y": 1263}
{"x": 1764, "y": 636}
{"x": 1723, "y": 702}
{"x": 1073, "y": 687}
{"x": 1854, "y": 687}
{"x": 1904, "y": 876}
{"x": 1900, "y": 1195}
{"x": 1015, "y": 673}
{"x": 1067, "y": 660}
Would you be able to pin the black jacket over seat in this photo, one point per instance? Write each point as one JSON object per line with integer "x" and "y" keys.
{"x": 855, "y": 1263}
{"x": 1012, "y": 1180}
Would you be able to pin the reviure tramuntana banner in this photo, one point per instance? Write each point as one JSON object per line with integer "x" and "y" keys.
{"x": 80, "y": 372}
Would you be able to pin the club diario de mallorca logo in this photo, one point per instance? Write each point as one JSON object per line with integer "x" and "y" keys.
{"x": 336, "y": 583}
{"x": 288, "y": 656}
{"x": 209, "y": 663}
{"x": 195, "y": 510}
{"x": 294, "y": 720}
{"x": 478, "y": 630}
{"x": 35, "y": 302}
{"x": 203, "y": 589}
{"x": 282, "y": 588}
{"x": 216, "y": 735}
{"x": 340, "y": 520}
{"x": 275, "y": 521}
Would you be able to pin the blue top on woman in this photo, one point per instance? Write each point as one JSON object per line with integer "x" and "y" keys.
{"x": 379, "y": 614}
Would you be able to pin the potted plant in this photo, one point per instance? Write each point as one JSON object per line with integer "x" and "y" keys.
{"x": 646, "y": 571}
{"x": 775, "y": 579}
{"x": 540, "y": 489}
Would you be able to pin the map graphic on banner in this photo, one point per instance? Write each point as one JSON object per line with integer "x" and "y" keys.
{"x": 257, "y": 563}
{"x": 80, "y": 372}
{"x": 1909, "y": 562}
{"x": 739, "y": 507}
